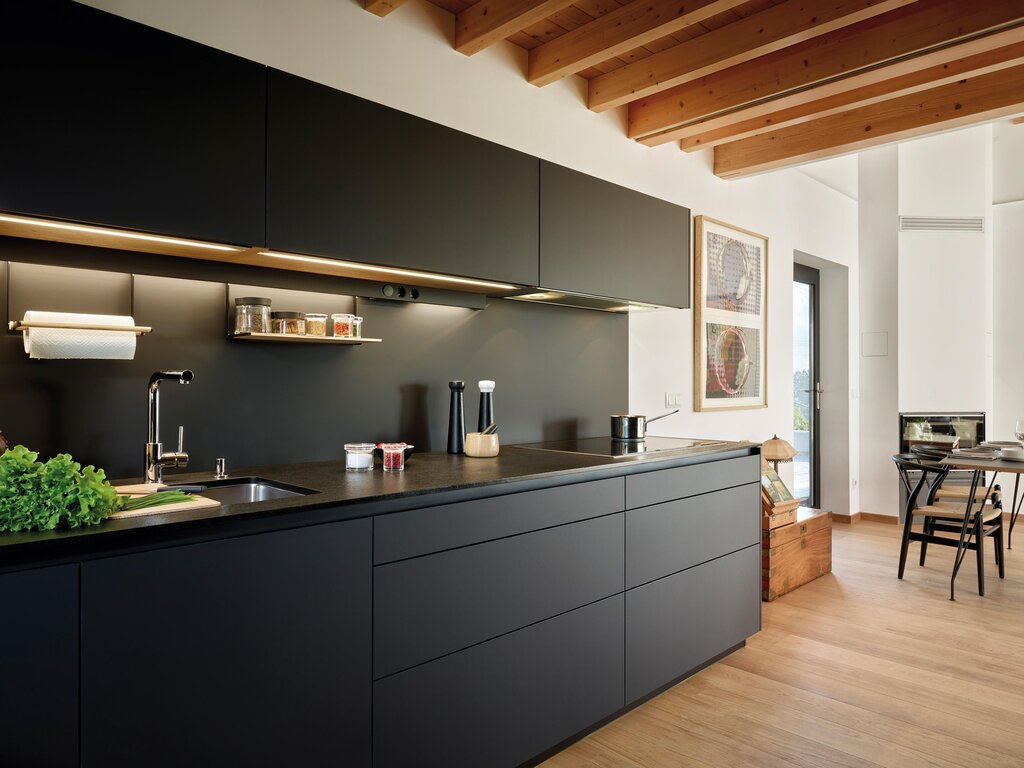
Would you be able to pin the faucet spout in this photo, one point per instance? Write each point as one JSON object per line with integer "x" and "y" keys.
{"x": 156, "y": 458}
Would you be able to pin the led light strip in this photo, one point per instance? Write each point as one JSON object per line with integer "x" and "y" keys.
{"x": 115, "y": 233}
{"x": 391, "y": 271}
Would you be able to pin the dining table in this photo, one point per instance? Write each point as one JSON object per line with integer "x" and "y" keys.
{"x": 979, "y": 467}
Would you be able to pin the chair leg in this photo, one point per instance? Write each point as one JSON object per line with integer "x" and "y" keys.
{"x": 1000, "y": 551}
{"x": 924, "y": 544}
{"x": 905, "y": 546}
{"x": 979, "y": 539}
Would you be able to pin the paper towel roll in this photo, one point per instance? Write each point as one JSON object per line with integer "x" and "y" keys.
{"x": 75, "y": 344}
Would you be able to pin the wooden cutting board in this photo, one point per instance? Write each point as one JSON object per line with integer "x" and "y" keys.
{"x": 193, "y": 504}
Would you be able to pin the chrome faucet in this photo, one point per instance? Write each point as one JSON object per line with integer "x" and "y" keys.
{"x": 156, "y": 459}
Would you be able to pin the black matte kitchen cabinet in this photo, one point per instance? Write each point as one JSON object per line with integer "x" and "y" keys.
{"x": 108, "y": 121}
{"x": 250, "y": 651}
{"x": 680, "y": 622}
{"x": 351, "y": 179}
{"x": 505, "y": 701}
{"x": 39, "y": 673}
{"x": 601, "y": 239}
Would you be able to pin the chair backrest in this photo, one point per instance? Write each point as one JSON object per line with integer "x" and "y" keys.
{"x": 929, "y": 475}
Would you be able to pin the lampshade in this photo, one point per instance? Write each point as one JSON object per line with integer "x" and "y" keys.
{"x": 777, "y": 450}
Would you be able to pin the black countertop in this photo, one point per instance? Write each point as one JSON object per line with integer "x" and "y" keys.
{"x": 428, "y": 479}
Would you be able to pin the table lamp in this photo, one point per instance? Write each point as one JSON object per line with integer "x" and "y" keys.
{"x": 777, "y": 450}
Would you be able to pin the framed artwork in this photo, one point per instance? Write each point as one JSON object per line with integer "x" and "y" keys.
{"x": 730, "y": 317}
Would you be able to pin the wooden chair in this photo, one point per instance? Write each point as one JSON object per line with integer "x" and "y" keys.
{"x": 948, "y": 517}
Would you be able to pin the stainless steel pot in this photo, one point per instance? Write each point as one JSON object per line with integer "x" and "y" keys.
{"x": 632, "y": 427}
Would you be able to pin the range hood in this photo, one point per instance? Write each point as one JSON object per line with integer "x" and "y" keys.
{"x": 579, "y": 300}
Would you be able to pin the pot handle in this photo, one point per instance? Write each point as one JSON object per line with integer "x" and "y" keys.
{"x": 663, "y": 415}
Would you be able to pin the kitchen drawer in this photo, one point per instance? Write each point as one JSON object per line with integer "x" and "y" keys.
{"x": 422, "y": 531}
{"x": 678, "y": 623}
{"x": 505, "y": 701}
{"x": 665, "y": 538}
{"x": 428, "y": 606}
{"x": 668, "y": 484}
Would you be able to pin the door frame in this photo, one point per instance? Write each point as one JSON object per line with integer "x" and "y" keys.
{"x": 812, "y": 276}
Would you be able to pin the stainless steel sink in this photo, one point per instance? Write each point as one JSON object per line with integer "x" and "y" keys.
{"x": 246, "y": 490}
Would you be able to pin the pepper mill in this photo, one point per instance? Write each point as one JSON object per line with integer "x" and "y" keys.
{"x": 457, "y": 418}
{"x": 486, "y": 417}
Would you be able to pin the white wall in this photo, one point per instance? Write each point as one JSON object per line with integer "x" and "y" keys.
{"x": 406, "y": 61}
{"x": 879, "y": 332}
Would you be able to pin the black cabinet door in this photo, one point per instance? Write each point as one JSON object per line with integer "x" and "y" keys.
{"x": 505, "y": 701}
{"x": 355, "y": 180}
{"x": 680, "y": 622}
{"x": 39, "y": 672}
{"x": 605, "y": 240}
{"x": 107, "y": 121}
{"x": 252, "y": 651}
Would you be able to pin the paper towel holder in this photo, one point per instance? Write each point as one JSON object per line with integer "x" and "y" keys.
{"x": 21, "y": 325}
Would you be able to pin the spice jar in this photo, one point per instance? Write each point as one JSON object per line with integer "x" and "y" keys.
{"x": 358, "y": 457}
{"x": 316, "y": 324}
{"x": 342, "y": 325}
{"x": 394, "y": 456}
{"x": 357, "y": 327}
{"x": 288, "y": 323}
{"x": 252, "y": 314}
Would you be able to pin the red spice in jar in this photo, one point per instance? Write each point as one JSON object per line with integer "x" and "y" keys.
{"x": 342, "y": 325}
{"x": 394, "y": 456}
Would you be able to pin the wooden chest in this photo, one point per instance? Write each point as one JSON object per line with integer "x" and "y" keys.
{"x": 796, "y": 553}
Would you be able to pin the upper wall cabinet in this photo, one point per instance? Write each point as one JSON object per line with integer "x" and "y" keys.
{"x": 605, "y": 240}
{"x": 107, "y": 121}
{"x": 351, "y": 179}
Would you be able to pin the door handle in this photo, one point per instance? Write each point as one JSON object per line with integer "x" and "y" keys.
{"x": 817, "y": 395}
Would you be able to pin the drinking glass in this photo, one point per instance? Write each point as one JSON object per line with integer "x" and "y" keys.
{"x": 1018, "y": 429}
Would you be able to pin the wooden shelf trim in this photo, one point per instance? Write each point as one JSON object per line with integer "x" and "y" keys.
{"x": 864, "y": 53}
{"x": 295, "y": 338}
{"x": 974, "y": 100}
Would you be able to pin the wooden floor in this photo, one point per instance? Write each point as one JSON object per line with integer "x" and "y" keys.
{"x": 853, "y": 669}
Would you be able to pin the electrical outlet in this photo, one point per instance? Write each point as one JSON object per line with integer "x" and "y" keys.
{"x": 673, "y": 399}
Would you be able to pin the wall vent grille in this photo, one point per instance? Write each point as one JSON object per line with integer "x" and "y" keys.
{"x": 941, "y": 224}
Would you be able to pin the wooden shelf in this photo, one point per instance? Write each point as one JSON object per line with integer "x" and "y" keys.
{"x": 293, "y": 338}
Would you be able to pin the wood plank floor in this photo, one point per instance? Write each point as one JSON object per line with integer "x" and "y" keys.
{"x": 854, "y": 669}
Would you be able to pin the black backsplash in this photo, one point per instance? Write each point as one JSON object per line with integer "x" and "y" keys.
{"x": 559, "y": 372}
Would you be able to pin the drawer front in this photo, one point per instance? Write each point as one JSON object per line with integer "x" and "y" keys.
{"x": 429, "y": 606}
{"x": 669, "y": 537}
{"x": 505, "y": 701}
{"x": 669, "y": 484}
{"x": 422, "y": 531}
{"x": 675, "y": 624}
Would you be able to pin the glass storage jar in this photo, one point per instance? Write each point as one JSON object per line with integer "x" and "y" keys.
{"x": 288, "y": 323}
{"x": 394, "y": 456}
{"x": 252, "y": 314}
{"x": 359, "y": 457}
{"x": 357, "y": 327}
{"x": 316, "y": 324}
{"x": 342, "y": 325}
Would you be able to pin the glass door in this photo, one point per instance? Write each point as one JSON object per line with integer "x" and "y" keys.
{"x": 806, "y": 385}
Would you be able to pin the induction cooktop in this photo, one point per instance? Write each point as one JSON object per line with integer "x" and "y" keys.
{"x": 608, "y": 448}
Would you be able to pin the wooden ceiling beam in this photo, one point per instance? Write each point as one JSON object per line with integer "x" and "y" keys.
{"x": 381, "y": 7}
{"x": 488, "y": 21}
{"x": 864, "y": 48}
{"x": 902, "y": 85}
{"x": 756, "y": 35}
{"x": 965, "y": 102}
{"x": 626, "y": 28}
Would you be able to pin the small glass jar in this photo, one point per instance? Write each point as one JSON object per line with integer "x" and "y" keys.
{"x": 288, "y": 323}
{"x": 252, "y": 314}
{"x": 357, "y": 327}
{"x": 342, "y": 325}
{"x": 316, "y": 324}
{"x": 359, "y": 457}
{"x": 394, "y": 456}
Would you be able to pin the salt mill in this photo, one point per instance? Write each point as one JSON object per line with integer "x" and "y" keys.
{"x": 457, "y": 418}
{"x": 486, "y": 417}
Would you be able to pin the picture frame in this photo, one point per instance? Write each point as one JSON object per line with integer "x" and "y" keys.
{"x": 730, "y": 320}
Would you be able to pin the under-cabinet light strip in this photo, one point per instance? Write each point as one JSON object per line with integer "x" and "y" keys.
{"x": 391, "y": 271}
{"x": 115, "y": 233}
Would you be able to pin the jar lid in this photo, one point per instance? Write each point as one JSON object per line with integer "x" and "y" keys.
{"x": 288, "y": 315}
{"x": 394, "y": 446}
{"x": 259, "y": 301}
{"x": 359, "y": 447}
{"x": 341, "y": 316}
{"x": 357, "y": 319}
{"x": 315, "y": 316}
